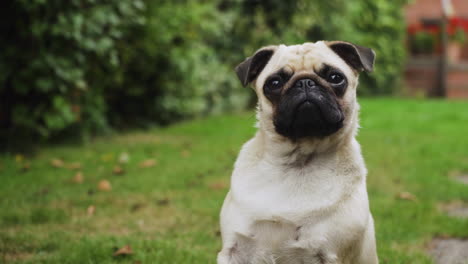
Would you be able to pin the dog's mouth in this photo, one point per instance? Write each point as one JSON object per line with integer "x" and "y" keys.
{"x": 323, "y": 112}
{"x": 311, "y": 117}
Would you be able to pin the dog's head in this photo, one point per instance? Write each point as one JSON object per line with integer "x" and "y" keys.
{"x": 308, "y": 90}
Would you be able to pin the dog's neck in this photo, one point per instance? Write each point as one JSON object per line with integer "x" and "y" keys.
{"x": 298, "y": 153}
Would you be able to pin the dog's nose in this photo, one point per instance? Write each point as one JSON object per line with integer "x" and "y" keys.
{"x": 305, "y": 83}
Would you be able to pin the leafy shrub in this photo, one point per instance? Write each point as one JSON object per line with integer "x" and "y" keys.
{"x": 51, "y": 49}
{"x": 90, "y": 65}
{"x": 174, "y": 66}
{"x": 379, "y": 24}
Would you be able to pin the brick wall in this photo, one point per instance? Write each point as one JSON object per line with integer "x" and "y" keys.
{"x": 419, "y": 9}
{"x": 432, "y": 9}
{"x": 421, "y": 78}
{"x": 458, "y": 81}
{"x": 421, "y": 73}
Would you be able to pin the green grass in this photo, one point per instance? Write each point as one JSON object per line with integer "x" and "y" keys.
{"x": 168, "y": 213}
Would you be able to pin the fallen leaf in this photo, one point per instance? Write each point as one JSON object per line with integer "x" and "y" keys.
{"x": 147, "y": 163}
{"x": 107, "y": 157}
{"x": 42, "y": 192}
{"x": 407, "y": 196}
{"x": 187, "y": 144}
{"x": 57, "y": 163}
{"x": 123, "y": 251}
{"x": 78, "y": 178}
{"x": 118, "y": 170}
{"x": 91, "y": 210}
{"x": 104, "y": 185}
{"x": 26, "y": 166}
{"x": 136, "y": 207}
{"x": 124, "y": 157}
{"x": 74, "y": 166}
{"x": 193, "y": 183}
{"x": 185, "y": 153}
{"x": 164, "y": 201}
{"x": 218, "y": 186}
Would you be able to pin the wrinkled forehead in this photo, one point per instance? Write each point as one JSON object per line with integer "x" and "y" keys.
{"x": 304, "y": 58}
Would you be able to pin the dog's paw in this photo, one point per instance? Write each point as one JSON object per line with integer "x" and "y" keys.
{"x": 241, "y": 251}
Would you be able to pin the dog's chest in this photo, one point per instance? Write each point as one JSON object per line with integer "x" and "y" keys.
{"x": 290, "y": 243}
{"x": 268, "y": 191}
{"x": 298, "y": 215}
{"x": 323, "y": 238}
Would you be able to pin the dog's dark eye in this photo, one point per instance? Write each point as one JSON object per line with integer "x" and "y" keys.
{"x": 335, "y": 78}
{"x": 274, "y": 83}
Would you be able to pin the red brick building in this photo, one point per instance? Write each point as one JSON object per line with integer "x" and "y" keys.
{"x": 432, "y": 9}
{"x": 424, "y": 48}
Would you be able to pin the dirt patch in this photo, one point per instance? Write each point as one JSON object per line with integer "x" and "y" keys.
{"x": 462, "y": 179}
{"x": 8, "y": 257}
{"x": 455, "y": 209}
{"x": 459, "y": 176}
{"x": 449, "y": 251}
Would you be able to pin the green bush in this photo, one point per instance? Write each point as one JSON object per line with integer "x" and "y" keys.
{"x": 380, "y": 24}
{"x": 91, "y": 65}
{"x": 50, "y": 50}
{"x": 174, "y": 68}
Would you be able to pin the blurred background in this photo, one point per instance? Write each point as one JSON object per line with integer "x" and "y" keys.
{"x": 150, "y": 190}
{"x": 88, "y": 66}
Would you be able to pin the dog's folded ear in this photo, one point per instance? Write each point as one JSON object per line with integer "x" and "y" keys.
{"x": 250, "y": 68}
{"x": 358, "y": 57}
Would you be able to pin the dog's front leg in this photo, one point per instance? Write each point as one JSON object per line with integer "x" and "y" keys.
{"x": 238, "y": 246}
{"x": 368, "y": 252}
{"x": 240, "y": 250}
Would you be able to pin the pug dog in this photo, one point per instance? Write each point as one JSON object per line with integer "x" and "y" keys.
{"x": 298, "y": 190}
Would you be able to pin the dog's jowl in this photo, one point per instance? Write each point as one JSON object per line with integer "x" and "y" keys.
{"x": 298, "y": 189}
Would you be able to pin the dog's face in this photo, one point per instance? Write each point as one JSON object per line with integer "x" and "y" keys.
{"x": 308, "y": 90}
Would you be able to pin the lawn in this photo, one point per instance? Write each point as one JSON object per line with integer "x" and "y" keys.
{"x": 163, "y": 189}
